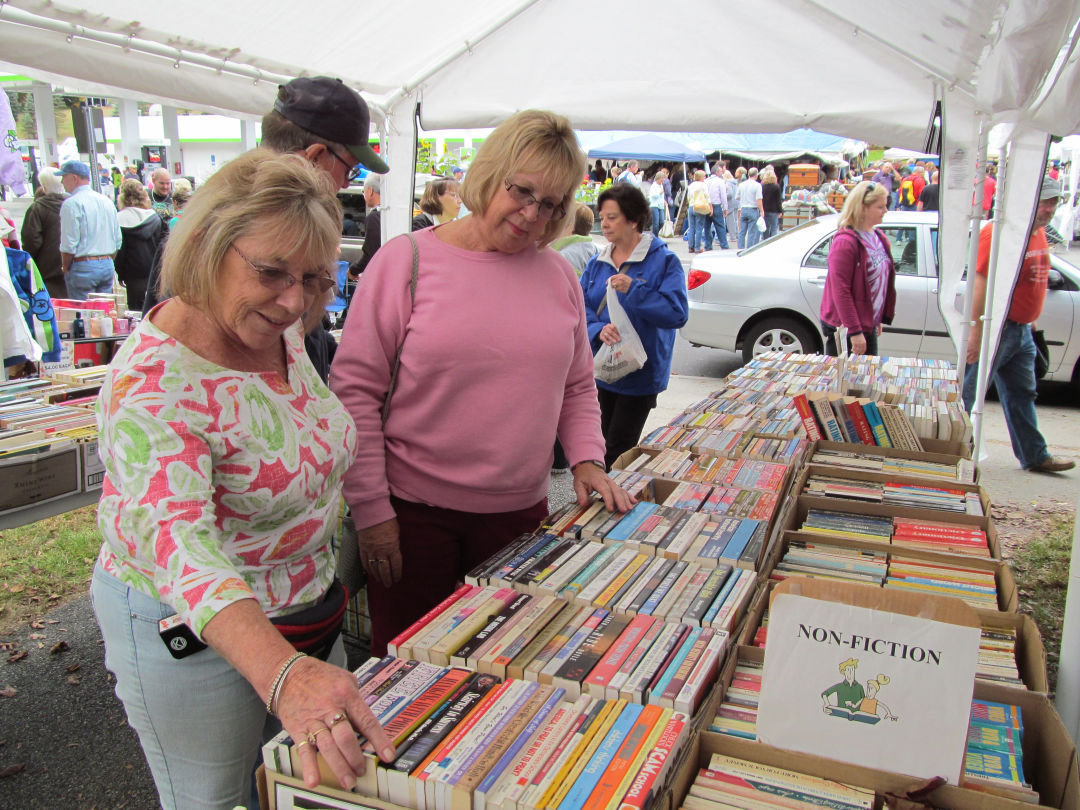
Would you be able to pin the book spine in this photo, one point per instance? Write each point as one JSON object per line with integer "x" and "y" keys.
{"x": 593, "y": 771}
{"x": 633, "y": 660}
{"x": 618, "y": 767}
{"x": 802, "y": 405}
{"x": 650, "y": 779}
{"x": 703, "y": 674}
{"x": 395, "y": 643}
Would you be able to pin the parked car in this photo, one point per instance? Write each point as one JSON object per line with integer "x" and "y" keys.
{"x": 768, "y": 297}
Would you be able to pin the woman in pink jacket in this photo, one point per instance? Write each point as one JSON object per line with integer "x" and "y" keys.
{"x": 860, "y": 288}
{"x": 493, "y": 363}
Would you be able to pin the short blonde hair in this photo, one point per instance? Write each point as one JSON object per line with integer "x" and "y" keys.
{"x": 854, "y": 211}
{"x": 768, "y": 175}
{"x": 699, "y": 175}
{"x": 529, "y": 141}
{"x": 132, "y": 194}
{"x": 257, "y": 189}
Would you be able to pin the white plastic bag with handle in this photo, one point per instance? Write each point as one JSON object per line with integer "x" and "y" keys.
{"x": 614, "y": 361}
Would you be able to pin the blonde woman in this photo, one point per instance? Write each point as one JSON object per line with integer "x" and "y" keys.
{"x": 860, "y": 287}
{"x": 771, "y": 201}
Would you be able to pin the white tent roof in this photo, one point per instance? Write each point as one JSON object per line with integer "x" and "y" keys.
{"x": 845, "y": 66}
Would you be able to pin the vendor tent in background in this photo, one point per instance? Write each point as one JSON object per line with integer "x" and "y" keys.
{"x": 646, "y": 147}
{"x": 472, "y": 63}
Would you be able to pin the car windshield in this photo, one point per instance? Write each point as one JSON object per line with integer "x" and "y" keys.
{"x": 772, "y": 240}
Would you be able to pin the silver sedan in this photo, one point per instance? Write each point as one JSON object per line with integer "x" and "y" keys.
{"x": 767, "y": 298}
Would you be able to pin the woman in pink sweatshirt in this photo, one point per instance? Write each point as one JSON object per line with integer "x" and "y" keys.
{"x": 494, "y": 362}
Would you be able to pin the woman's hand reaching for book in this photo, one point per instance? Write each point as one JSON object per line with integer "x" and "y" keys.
{"x": 590, "y": 477}
{"x": 380, "y": 553}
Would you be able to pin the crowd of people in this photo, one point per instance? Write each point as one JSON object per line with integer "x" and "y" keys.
{"x": 232, "y": 426}
{"x": 81, "y": 239}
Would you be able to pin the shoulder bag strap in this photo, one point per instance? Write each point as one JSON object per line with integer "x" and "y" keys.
{"x": 413, "y": 276}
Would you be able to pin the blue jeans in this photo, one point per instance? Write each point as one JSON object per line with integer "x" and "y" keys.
{"x": 772, "y": 225}
{"x": 719, "y": 222}
{"x": 200, "y": 723}
{"x": 86, "y": 277}
{"x": 1014, "y": 374}
{"x": 697, "y": 228}
{"x": 657, "y": 220}
{"x": 749, "y": 235}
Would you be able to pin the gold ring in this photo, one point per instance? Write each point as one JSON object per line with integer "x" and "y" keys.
{"x": 337, "y": 718}
{"x": 319, "y": 731}
{"x": 302, "y": 743}
{"x": 310, "y": 739}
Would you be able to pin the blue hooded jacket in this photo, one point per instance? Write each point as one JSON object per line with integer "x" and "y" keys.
{"x": 655, "y": 303}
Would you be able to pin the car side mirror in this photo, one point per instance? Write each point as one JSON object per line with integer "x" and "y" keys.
{"x": 1054, "y": 280}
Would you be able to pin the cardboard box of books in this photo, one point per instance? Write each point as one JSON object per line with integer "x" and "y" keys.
{"x": 1013, "y": 738}
{"x": 93, "y": 468}
{"x": 40, "y": 475}
{"x": 825, "y": 489}
{"x": 984, "y": 583}
{"x": 933, "y": 465}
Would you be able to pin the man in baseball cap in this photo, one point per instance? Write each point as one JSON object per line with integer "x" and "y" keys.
{"x": 89, "y": 234}
{"x": 1014, "y": 364}
{"x": 326, "y": 120}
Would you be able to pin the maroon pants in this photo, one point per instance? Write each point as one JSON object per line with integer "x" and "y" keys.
{"x": 438, "y": 548}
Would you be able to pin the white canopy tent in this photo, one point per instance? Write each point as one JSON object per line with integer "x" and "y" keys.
{"x": 845, "y": 66}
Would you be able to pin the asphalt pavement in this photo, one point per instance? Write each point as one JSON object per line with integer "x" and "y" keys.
{"x": 64, "y": 740}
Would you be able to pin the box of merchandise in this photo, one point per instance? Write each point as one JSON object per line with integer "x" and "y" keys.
{"x": 963, "y": 463}
{"x": 29, "y": 480}
{"x": 1048, "y": 754}
{"x": 93, "y": 468}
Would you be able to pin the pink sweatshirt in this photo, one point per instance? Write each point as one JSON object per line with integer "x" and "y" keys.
{"x": 495, "y": 358}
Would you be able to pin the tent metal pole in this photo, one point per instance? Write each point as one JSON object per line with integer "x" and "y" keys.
{"x": 986, "y": 355}
{"x": 969, "y": 288}
{"x": 1068, "y": 681}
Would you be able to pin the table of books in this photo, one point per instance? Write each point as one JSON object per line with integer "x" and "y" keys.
{"x": 616, "y": 660}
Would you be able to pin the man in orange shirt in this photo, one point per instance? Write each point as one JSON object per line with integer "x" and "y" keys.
{"x": 1014, "y": 364}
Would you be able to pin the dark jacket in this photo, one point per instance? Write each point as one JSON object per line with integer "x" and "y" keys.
{"x": 41, "y": 239}
{"x": 771, "y": 198}
{"x": 656, "y": 305}
{"x": 846, "y": 300}
{"x": 421, "y": 221}
{"x": 135, "y": 259}
{"x": 372, "y": 241}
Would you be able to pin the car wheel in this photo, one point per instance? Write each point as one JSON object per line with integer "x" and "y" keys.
{"x": 777, "y": 335}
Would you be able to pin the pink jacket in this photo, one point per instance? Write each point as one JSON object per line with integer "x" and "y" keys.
{"x": 495, "y": 358}
{"x": 847, "y": 300}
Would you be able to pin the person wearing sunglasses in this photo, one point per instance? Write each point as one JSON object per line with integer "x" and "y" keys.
{"x": 224, "y": 454}
{"x": 459, "y": 390}
{"x": 860, "y": 287}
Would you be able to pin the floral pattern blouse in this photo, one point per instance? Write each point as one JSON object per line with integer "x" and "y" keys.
{"x": 220, "y": 485}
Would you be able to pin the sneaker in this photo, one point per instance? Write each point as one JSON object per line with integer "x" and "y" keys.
{"x": 1053, "y": 464}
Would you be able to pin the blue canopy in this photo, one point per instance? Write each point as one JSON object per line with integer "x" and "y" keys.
{"x": 646, "y": 147}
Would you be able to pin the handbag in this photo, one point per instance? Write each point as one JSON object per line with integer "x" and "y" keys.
{"x": 667, "y": 230}
{"x": 1042, "y": 353}
{"x": 761, "y": 224}
{"x": 701, "y": 204}
{"x": 614, "y": 361}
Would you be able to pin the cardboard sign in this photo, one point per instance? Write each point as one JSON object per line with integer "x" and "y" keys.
{"x": 850, "y": 678}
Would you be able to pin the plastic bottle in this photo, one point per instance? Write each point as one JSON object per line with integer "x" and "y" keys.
{"x": 78, "y": 328}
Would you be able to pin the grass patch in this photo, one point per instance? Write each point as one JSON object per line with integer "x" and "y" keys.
{"x": 1041, "y": 568}
{"x": 45, "y": 564}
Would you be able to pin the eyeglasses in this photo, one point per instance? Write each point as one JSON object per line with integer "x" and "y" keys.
{"x": 279, "y": 280}
{"x": 544, "y": 209}
{"x": 353, "y": 169}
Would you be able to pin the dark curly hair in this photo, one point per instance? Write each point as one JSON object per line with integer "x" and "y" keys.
{"x": 631, "y": 202}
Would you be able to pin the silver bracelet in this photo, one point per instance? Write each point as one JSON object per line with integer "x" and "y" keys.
{"x": 279, "y": 681}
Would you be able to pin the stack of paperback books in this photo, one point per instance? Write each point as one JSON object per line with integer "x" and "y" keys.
{"x": 736, "y": 715}
{"x": 994, "y": 761}
{"x": 467, "y": 740}
{"x": 960, "y": 470}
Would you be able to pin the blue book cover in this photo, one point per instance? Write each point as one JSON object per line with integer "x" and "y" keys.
{"x": 721, "y": 536}
{"x": 661, "y": 591}
{"x": 631, "y": 520}
{"x": 676, "y": 662}
{"x": 526, "y": 734}
{"x": 742, "y": 536}
{"x": 877, "y": 426}
{"x": 602, "y": 757}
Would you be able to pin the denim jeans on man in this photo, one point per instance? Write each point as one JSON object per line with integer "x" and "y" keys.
{"x": 719, "y": 222}
{"x": 657, "y": 220}
{"x": 1014, "y": 374}
{"x": 86, "y": 277}
{"x": 749, "y": 235}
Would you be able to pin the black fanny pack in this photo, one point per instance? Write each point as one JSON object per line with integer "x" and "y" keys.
{"x": 314, "y": 630}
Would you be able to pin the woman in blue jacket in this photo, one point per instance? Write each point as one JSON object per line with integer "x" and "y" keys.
{"x": 652, "y": 289}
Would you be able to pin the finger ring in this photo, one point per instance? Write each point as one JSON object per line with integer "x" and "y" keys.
{"x": 302, "y": 743}
{"x": 337, "y": 718}
{"x": 310, "y": 739}
{"x": 319, "y": 731}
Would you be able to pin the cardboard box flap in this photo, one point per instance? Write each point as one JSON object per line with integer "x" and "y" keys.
{"x": 933, "y": 608}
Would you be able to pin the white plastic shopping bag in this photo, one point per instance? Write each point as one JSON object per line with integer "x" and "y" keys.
{"x": 761, "y": 224}
{"x": 615, "y": 361}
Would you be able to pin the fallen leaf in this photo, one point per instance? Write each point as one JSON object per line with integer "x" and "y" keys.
{"x": 51, "y": 621}
{"x": 59, "y": 647}
{"x": 11, "y": 770}
{"x": 37, "y": 624}
{"x": 36, "y": 635}
{"x": 16, "y": 588}
{"x": 74, "y": 680}
{"x": 18, "y": 655}
{"x": 74, "y": 668}
{"x": 9, "y": 691}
